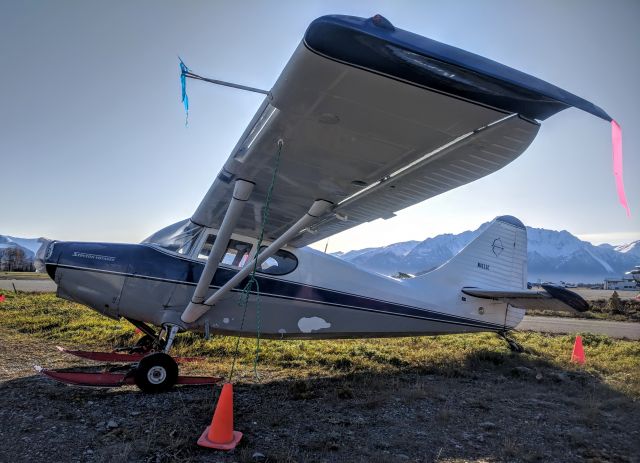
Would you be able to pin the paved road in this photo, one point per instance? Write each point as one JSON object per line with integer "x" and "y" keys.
{"x": 36, "y": 286}
{"x": 577, "y": 325}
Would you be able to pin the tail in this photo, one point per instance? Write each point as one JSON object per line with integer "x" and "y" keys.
{"x": 496, "y": 259}
{"x": 491, "y": 276}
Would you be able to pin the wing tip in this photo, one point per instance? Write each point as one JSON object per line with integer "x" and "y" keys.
{"x": 570, "y": 298}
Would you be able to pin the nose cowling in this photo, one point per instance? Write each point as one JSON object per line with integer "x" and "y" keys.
{"x": 91, "y": 274}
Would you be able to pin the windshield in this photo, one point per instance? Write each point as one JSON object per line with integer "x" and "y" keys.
{"x": 180, "y": 237}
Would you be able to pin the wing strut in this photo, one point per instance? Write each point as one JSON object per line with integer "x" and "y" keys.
{"x": 241, "y": 192}
{"x": 194, "y": 311}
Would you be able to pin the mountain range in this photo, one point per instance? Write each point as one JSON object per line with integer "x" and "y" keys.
{"x": 553, "y": 256}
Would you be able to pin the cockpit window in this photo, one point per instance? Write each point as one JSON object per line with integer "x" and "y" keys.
{"x": 281, "y": 263}
{"x": 237, "y": 253}
{"x": 180, "y": 237}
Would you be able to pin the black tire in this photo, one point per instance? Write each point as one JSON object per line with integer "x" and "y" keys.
{"x": 156, "y": 372}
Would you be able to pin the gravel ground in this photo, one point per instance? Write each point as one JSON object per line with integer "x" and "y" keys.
{"x": 481, "y": 414}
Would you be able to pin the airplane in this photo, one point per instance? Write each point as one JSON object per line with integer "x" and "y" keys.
{"x": 365, "y": 119}
{"x": 635, "y": 274}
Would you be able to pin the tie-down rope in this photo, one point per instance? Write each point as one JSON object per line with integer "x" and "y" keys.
{"x": 243, "y": 300}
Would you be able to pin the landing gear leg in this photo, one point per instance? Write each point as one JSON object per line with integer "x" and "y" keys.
{"x": 146, "y": 329}
{"x": 172, "y": 330}
{"x": 513, "y": 344}
{"x": 158, "y": 372}
{"x": 147, "y": 343}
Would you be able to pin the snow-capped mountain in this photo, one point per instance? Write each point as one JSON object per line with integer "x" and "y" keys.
{"x": 632, "y": 248}
{"x": 553, "y": 256}
{"x": 391, "y": 256}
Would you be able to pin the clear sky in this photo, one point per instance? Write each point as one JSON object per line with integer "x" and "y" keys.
{"x": 93, "y": 144}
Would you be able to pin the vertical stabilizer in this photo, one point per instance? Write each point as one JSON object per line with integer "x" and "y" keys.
{"x": 497, "y": 258}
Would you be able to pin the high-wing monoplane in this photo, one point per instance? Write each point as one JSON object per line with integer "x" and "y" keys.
{"x": 365, "y": 119}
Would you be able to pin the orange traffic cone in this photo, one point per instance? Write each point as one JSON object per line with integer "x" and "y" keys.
{"x": 220, "y": 435}
{"x": 578, "y": 351}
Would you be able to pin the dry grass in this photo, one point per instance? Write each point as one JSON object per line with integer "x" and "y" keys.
{"x": 616, "y": 362}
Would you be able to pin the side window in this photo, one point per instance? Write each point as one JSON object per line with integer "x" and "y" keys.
{"x": 206, "y": 248}
{"x": 237, "y": 252}
{"x": 282, "y": 262}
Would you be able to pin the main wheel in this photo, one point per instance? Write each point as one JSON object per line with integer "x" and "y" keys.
{"x": 156, "y": 372}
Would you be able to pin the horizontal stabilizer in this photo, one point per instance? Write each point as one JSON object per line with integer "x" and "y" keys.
{"x": 549, "y": 298}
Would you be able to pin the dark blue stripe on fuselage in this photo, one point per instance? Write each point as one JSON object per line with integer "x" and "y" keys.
{"x": 145, "y": 261}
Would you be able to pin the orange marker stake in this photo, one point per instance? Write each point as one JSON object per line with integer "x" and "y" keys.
{"x": 578, "y": 351}
{"x": 220, "y": 435}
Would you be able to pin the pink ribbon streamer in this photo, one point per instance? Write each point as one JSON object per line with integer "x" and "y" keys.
{"x": 616, "y": 142}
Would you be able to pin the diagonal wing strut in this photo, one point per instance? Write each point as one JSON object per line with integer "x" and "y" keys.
{"x": 196, "y": 309}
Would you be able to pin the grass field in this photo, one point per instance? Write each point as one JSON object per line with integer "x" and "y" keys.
{"x": 617, "y": 362}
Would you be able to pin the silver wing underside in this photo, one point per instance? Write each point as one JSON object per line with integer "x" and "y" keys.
{"x": 370, "y": 144}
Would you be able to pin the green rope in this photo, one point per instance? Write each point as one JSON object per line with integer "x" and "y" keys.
{"x": 243, "y": 300}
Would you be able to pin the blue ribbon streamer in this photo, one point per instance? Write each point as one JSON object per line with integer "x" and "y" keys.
{"x": 183, "y": 82}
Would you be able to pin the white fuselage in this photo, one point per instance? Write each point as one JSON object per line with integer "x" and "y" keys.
{"x": 318, "y": 296}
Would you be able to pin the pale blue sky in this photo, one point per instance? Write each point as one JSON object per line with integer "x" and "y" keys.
{"x": 93, "y": 144}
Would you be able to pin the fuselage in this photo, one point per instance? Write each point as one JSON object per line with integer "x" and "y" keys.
{"x": 307, "y": 295}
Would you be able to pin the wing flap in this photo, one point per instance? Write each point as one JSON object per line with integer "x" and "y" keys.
{"x": 464, "y": 161}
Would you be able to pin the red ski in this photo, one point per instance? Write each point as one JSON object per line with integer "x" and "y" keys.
{"x": 151, "y": 371}
{"x": 118, "y": 357}
{"x": 114, "y": 379}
